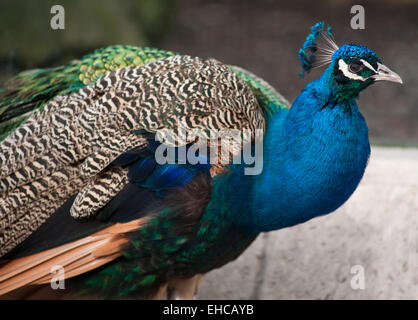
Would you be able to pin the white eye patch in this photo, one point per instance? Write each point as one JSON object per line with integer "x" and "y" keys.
{"x": 344, "y": 69}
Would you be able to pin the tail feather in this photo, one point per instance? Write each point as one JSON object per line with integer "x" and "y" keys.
{"x": 75, "y": 257}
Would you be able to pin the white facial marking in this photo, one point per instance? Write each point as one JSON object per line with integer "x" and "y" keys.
{"x": 368, "y": 65}
{"x": 344, "y": 68}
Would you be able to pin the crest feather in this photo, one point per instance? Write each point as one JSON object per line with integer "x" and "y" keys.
{"x": 313, "y": 55}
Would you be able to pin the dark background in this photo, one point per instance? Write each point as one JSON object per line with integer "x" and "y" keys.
{"x": 261, "y": 36}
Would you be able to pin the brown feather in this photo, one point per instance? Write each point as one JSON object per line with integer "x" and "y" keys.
{"x": 75, "y": 257}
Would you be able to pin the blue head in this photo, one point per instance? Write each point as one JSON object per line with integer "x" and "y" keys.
{"x": 352, "y": 67}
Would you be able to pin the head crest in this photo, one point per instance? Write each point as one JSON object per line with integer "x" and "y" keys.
{"x": 311, "y": 51}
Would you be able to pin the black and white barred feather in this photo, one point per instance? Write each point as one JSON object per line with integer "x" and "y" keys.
{"x": 66, "y": 148}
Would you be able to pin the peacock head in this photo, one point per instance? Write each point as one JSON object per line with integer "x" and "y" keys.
{"x": 352, "y": 67}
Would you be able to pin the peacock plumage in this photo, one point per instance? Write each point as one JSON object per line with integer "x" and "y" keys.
{"x": 81, "y": 186}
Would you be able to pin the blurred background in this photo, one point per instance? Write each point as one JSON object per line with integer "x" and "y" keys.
{"x": 261, "y": 36}
{"x": 378, "y": 227}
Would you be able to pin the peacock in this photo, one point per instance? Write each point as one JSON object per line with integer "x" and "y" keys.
{"x": 82, "y": 189}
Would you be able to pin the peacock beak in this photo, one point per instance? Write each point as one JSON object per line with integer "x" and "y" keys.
{"x": 384, "y": 73}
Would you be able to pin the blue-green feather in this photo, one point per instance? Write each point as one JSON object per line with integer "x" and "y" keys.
{"x": 307, "y": 52}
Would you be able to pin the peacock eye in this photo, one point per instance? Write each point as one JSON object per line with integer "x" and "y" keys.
{"x": 355, "y": 66}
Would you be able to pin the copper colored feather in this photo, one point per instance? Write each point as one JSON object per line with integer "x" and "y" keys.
{"x": 76, "y": 257}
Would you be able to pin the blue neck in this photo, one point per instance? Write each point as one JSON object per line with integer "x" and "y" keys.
{"x": 314, "y": 157}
